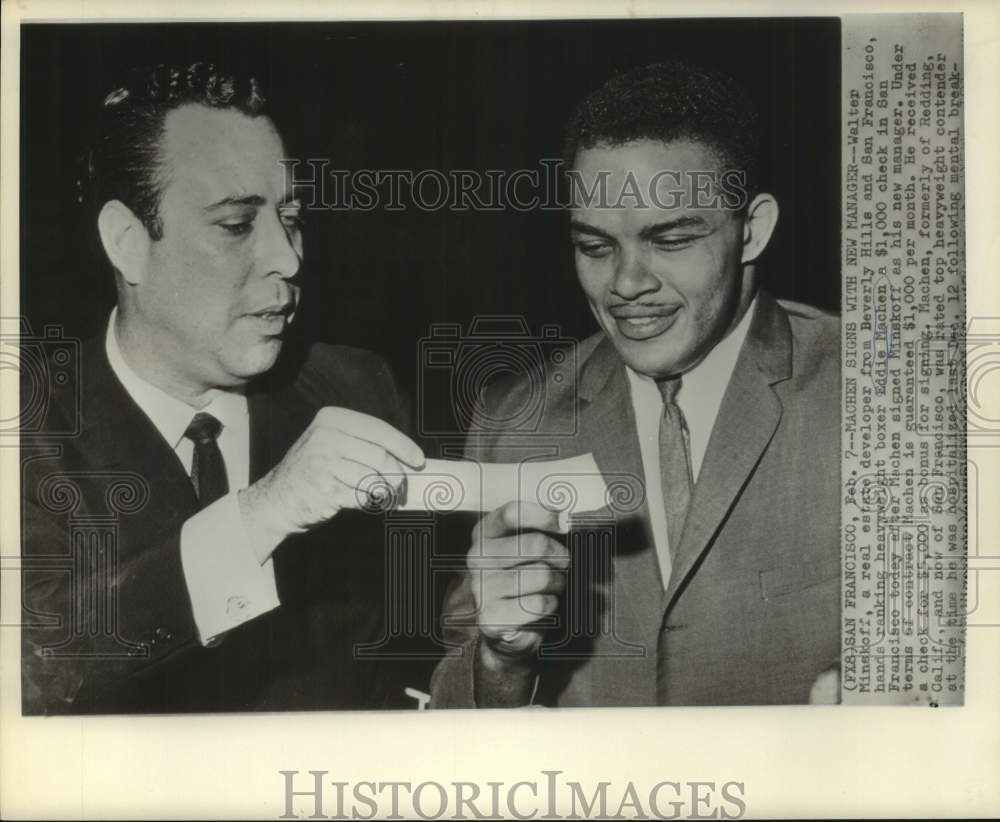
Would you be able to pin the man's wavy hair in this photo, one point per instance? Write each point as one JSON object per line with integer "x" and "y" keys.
{"x": 669, "y": 101}
{"x": 125, "y": 160}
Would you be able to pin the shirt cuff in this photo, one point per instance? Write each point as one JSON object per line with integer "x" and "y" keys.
{"x": 227, "y": 583}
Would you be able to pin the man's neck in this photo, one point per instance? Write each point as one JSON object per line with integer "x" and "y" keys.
{"x": 747, "y": 297}
{"x": 746, "y": 302}
{"x": 151, "y": 365}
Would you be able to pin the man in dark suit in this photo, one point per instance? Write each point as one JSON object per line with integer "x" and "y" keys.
{"x": 724, "y": 586}
{"x": 194, "y": 544}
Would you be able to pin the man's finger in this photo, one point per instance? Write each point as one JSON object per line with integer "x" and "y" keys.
{"x": 374, "y": 430}
{"x": 537, "y": 578}
{"x": 515, "y": 641}
{"x": 506, "y": 614}
{"x": 366, "y": 485}
{"x": 371, "y": 456}
{"x": 518, "y": 516}
{"x": 520, "y": 549}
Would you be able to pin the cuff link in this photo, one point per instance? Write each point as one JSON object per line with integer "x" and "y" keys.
{"x": 237, "y": 607}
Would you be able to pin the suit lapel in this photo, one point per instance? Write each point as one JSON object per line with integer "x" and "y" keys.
{"x": 747, "y": 420}
{"x": 607, "y": 422}
{"x": 118, "y": 436}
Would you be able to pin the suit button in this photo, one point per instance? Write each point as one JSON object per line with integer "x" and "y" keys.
{"x": 163, "y": 634}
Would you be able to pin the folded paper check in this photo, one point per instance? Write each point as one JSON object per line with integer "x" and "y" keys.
{"x": 570, "y": 486}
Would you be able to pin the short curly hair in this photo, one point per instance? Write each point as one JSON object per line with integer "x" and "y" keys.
{"x": 670, "y": 101}
{"x": 125, "y": 160}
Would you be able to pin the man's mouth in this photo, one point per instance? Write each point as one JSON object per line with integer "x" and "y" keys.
{"x": 271, "y": 319}
{"x": 643, "y": 322}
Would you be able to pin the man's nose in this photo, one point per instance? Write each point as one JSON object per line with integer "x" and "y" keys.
{"x": 280, "y": 250}
{"x": 633, "y": 277}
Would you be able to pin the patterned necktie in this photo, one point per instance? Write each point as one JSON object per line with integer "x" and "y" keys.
{"x": 675, "y": 466}
{"x": 208, "y": 470}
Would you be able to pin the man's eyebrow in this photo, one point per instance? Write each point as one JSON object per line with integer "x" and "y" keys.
{"x": 669, "y": 225}
{"x": 585, "y": 228}
{"x": 646, "y": 232}
{"x": 248, "y": 200}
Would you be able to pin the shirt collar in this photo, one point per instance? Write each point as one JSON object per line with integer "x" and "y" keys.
{"x": 705, "y": 384}
{"x": 168, "y": 414}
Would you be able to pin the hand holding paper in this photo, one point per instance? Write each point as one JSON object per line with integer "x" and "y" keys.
{"x": 568, "y": 486}
{"x": 340, "y": 461}
{"x": 516, "y": 566}
{"x": 518, "y": 575}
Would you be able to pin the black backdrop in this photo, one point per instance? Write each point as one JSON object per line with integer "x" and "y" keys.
{"x": 428, "y": 95}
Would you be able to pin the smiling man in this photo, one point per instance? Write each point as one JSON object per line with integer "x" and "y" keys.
{"x": 724, "y": 587}
{"x": 221, "y": 459}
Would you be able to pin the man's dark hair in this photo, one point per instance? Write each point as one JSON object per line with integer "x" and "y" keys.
{"x": 125, "y": 162}
{"x": 669, "y": 101}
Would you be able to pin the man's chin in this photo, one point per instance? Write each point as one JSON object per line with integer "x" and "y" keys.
{"x": 649, "y": 357}
{"x": 257, "y": 359}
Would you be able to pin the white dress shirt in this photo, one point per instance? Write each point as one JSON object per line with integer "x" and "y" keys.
{"x": 699, "y": 398}
{"x": 226, "y": 581}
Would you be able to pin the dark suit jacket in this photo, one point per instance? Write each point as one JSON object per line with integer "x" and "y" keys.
{"x": 752, "y": 613}
{"x": 109, "y": 626}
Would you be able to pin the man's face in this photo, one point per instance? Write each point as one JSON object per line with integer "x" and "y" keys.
{"x": 216, "y": 296}
{"x": 663, "y": 278}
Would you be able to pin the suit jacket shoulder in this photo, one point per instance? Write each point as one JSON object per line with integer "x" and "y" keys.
{"x": 516, "y": 389}
{"x": 335, "y": 368}
{"x": 814, "y": 380}
{"x": 322, "y": 374}
{"x": 536, "y": 405}
{"x": 815, "y": 337}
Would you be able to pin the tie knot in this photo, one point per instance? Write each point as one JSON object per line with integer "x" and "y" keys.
{"x": 204, "y": 428}
{"x": 669, "y": 388}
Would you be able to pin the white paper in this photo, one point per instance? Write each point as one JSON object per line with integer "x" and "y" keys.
{"x": 572, "y": 485}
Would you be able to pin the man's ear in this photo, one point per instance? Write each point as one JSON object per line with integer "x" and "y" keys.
{"x": 758, "y": 225}
{"x": 125, "y": 240}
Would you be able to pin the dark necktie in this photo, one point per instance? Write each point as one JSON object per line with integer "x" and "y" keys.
{"x": 208, "y": 470}
{"x": 675, "y": 465}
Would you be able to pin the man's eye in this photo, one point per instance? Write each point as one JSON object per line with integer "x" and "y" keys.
{"x": 237, "y": 229}
{"x": 593, "y": 249}
{"x": 673, "y": 243}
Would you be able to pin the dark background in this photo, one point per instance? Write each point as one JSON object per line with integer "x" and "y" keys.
{"x": 428, "y": 95}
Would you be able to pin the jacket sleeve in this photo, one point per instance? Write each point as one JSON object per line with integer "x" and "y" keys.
{"x": 98, "y": 619}
{"x": 453, "y": 684}
{"x": 453, "y": 681}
